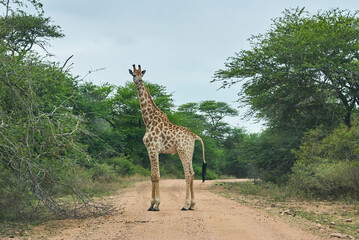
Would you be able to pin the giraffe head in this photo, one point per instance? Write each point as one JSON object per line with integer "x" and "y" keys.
{"x": 137, "y": 73}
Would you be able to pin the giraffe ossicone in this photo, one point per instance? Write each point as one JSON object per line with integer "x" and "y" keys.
{"x": 162, "y": 136}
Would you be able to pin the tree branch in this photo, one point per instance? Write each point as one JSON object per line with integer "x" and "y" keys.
{"x": 66, "y": 62}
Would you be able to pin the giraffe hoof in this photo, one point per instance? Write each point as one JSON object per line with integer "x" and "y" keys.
{"x": 192, "y": 209}
{"x": 150, "y": 209}
{"x": 184, "y": 209}
{"x": 156, "y": 209}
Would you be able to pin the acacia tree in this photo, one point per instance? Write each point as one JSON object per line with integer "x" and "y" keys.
{"x": 207, "y": 116}
{"x": 214, "y": 113}
{"x": 303, "y": 72}
{"x": 20, "y": 31}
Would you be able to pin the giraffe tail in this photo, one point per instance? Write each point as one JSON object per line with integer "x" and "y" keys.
{"x": 204, "y": 170}
{"x": 204, "y": 165}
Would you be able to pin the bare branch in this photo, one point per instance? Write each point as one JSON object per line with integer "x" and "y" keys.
{"x": 66, "y": 62}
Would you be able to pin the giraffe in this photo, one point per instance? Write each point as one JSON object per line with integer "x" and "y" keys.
{"x": 164, "y": 137}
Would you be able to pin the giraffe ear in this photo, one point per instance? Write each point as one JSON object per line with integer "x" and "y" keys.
{"x": 130, "y": 71}
{"x": 143, "y": 72}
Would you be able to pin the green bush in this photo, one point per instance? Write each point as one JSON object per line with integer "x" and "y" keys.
{"x": 327, "y": 180}
{"x": 123, "y": 167}
{"x": 327, "y": 164}
{"x": 103, "y": 173}
{"x": 15, "y": 197}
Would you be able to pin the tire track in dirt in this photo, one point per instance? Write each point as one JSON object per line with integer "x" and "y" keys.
{"x": 214, "y": 217}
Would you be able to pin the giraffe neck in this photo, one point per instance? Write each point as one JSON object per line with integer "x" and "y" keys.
{"x": 151, "y": 114}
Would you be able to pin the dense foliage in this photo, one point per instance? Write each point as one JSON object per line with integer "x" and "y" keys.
{"x": 41, "y": 153}
{"x": 301, "y": 74}
{"x": 328, "y": 163}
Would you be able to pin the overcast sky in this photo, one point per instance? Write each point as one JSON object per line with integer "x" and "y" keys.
{"x": 180, "y": 43}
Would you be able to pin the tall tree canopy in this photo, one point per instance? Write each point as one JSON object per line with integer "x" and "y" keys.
{"x": 20, "y": 31}
{"x": 303, "y": 72}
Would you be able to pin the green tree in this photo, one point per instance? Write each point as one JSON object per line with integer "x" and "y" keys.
{"x": 188, "y": 115}
{"x": 19, "y": 32}
{"x": 303, "y": 72}
{"x": 237, "y": 158}
{"x": 214, "y": 113}
{"x": 94, "y": 103}
{"x": 40, "y": 151}
{"x": 39, "y": 137}
{"x": 266, "y": 155}
{"x": 207, "y": 120}
{"x": 299, "y": 75}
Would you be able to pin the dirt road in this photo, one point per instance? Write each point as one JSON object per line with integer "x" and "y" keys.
{"x": 214, "y": 217}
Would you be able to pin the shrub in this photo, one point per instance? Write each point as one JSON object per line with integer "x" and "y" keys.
{"x": 103, "y": 173}
{"x": 327, "y": 164}
{"x": 15, "y": 197}
{"x": 123, "y": 167}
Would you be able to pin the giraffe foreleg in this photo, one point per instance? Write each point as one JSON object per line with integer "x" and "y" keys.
{"x": 157, "y": 198}
{"x": 153, "y": 199}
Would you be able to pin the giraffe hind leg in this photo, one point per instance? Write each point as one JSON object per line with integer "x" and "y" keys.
{"x": 155, "y": 178}
{"x": 157, "y": 198}
{"x": 193, "y": 201}
{"x": 187, "y": 201}
{"x": 186, "y": 159}
{"x": 190, "y": 201}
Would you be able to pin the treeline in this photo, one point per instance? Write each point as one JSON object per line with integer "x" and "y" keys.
{"x": 113, "y": 115}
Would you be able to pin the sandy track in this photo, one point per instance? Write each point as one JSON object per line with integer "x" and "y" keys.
{"x": 214, "y": 217}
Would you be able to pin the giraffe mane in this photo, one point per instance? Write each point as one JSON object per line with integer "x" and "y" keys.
{"x": 154, "y": 104}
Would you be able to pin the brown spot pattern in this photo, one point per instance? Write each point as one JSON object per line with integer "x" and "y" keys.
{"x": 164, "y": 137}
